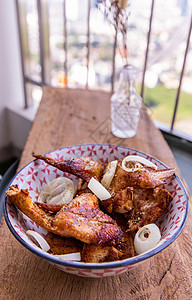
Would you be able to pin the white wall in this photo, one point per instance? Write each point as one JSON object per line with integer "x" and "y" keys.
{"x": 11, "y": 89}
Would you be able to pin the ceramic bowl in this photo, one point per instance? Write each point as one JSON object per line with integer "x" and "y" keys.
{"x": 37, "y": 173}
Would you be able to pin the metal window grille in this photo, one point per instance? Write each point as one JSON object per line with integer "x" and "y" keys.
{"x": 44, "y": 80}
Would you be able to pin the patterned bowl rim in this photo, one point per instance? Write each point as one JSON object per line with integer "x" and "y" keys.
{"x": 107, "y": 265}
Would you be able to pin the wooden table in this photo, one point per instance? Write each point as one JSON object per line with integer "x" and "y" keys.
{"x": 68, "y": 117}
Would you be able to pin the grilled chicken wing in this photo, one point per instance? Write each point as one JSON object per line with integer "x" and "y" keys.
{"x": 81, "y": 218}
{"x": 145, "y": 177}
{"x": 123, "y": 249}
{"x": 126, "y": 185}
{"x": 83, "y": 167}
{"x": 22, "y": 200}
{"x": 148, "y": 206}
{"x": 120, "y": 202}
{"x": 140, "y": 206}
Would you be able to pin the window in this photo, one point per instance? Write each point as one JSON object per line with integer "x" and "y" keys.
{"x": 68, "y": 43}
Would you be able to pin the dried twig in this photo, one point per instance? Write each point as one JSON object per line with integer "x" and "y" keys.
{"x": 117, "y": 13}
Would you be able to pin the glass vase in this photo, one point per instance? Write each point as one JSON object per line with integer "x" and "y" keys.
{"x": 125, "y": 104}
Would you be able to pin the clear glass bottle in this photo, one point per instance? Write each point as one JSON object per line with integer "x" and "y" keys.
{"x": 125, "y": 105}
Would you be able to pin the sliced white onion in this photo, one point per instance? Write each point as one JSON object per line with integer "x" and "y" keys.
{"x": 109, "y": 174}
{"x": 71, "y": 256}
{"x": 137, "y": 158}
{"x": 58, "y": 191}
{"x": 98, "y": 189}
{"x": 146, "y": 238}
{"x": 39, "y": 239}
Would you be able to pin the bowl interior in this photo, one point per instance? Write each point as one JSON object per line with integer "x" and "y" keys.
{"x": 37, "y": 174}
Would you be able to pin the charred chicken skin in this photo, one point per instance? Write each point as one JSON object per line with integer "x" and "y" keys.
{"x": 83, "y": 167}
{"x": 145, "y": 177}
{"x": 81, "y": 218}
{"x": 140, "y": 206}
{"x": 124, "y": 248}
{"x": 148, "y": 206}
{"x": 126, "y": 186}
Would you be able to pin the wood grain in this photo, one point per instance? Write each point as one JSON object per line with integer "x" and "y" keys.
{"x": 69, "y": 117}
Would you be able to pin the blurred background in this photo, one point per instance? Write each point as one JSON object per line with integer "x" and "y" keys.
{"x": 69, "y": 43}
